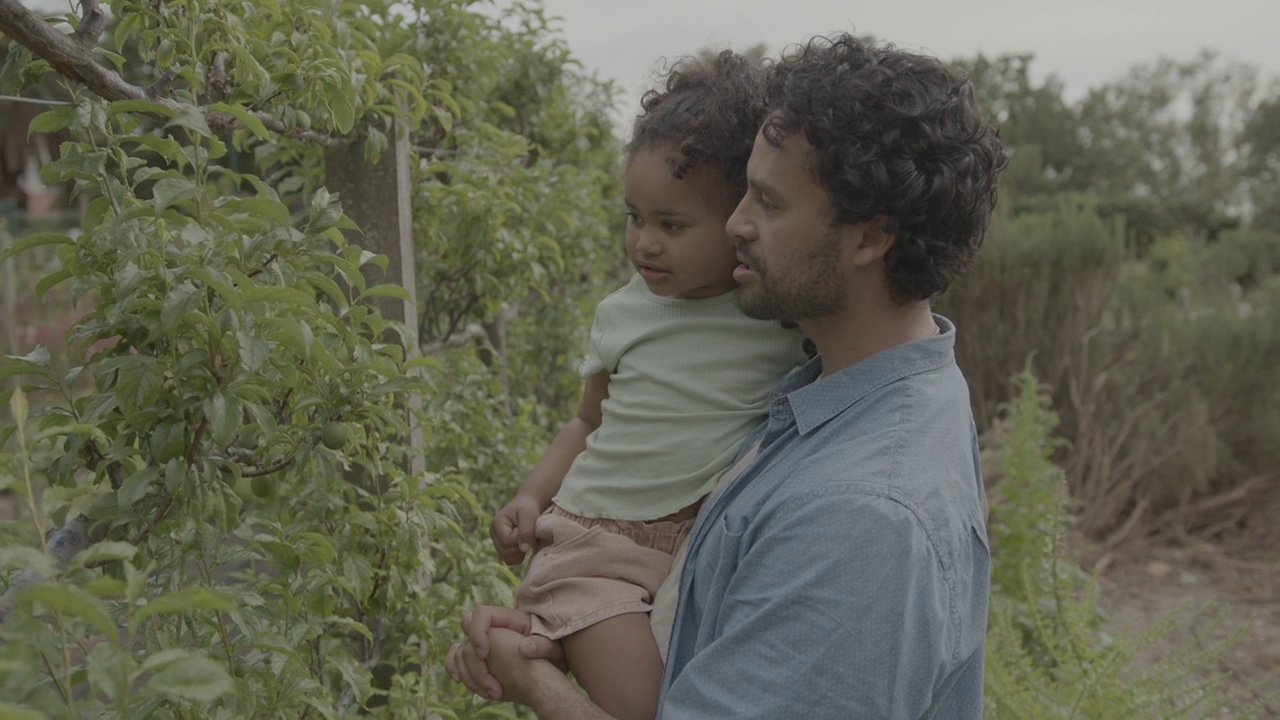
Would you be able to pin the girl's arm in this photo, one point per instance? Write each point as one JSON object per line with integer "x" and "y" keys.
{"x": 512, "y": 528}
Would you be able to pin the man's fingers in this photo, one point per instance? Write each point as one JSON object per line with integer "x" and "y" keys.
{"x": 476, "y": 625}
{"x": 464, "y": 667}
{"x": 451, "y": 662}
{"x": 537, "y": 647}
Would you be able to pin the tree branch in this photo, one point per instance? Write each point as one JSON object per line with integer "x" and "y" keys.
{"x": 70, "y": 56}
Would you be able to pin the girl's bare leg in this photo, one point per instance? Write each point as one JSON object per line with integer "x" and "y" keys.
{"x": 617, "y": 662}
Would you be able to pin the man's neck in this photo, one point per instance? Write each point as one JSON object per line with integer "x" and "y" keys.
{"x": 847, "y": 338}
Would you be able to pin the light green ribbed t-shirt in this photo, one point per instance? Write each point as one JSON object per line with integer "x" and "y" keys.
{"x": 688, "y": 379}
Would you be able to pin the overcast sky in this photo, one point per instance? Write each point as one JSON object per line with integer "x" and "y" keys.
{"x": 1085, "y": 43}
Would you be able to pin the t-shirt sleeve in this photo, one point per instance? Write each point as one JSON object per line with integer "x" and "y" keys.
{"x": 595, "y": 360}
{"x": 826, "y": 618}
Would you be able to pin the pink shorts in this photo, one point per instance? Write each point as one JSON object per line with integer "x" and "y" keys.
{"x": 586, "y": 570}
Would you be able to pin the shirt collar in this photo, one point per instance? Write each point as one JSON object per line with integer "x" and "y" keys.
{"x": 814, "y": 401}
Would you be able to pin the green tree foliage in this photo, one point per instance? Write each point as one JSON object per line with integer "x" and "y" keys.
{"x": 236, "y": 451}
{"x": 1171, "y": 146}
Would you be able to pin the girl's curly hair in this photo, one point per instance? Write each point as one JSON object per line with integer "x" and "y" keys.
{"x": 707, "y": 114}
{"x": 899, "y": 135}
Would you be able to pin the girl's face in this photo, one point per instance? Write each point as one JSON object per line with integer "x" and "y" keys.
{"x": 675, "y": 229}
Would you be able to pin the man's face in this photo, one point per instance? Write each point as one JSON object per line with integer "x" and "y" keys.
{"x": 790, "y": 246}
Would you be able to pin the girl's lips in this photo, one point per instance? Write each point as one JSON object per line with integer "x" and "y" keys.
{"x": 650, "y": 273}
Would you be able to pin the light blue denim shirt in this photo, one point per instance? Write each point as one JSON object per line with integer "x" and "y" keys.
{"x": 844, "y": 573}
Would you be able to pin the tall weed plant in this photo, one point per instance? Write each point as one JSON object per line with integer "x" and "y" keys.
{"x": 1047, "y": 655}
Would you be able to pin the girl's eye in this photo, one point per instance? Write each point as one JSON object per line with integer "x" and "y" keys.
{"x": 670, "y": 226}
{"x": 633, "y": 218}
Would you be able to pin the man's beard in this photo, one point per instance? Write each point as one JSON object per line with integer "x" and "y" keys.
{"x": 813, "y": 287}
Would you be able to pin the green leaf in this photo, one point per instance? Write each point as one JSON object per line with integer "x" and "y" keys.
{"x": 9, "y": 711}
{"x": 270, "y": 209}
{"x": 26, "y": 558}
{"x": 167, "y": 148}
{"x": 254, "y": 351}
{"x": 184, "y": 600}
{"x": 272, "y": 293}
{"x": 138, "y": 384}
{"x": 107, "y": 550}
{"x": 50, "y": 280}
{"x": 344, "y": 114}
{"x": 239, "y": 113}
{"x": 38, "y": 357}
{"x": 168, "y": 191}
{"x": 18, "y": 407}
{"x": 283, "y": 556}
{"x": 147, "y": 107}
{"x": 134, "y": 487}
{"x": 190, "y": 117}
{"x": 388, "y": 290}
{"x": 192, "y": 677}
{"x": 219, "y": 281}
{"x": 51, "y": 121}
{"x": 350, "y": 624}
{"x": 73, "y": 601}
{"x": 178, "y": 305}
{"x": 223, "y": 413}
{"x": 36, "y": 240}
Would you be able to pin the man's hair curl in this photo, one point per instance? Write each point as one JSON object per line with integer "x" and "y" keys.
{"x": 898, "y": 135}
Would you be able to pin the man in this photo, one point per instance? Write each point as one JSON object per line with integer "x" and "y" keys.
{"x": 844, "y": 572}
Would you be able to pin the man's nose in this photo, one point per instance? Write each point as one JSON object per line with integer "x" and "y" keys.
{"x": 738, "y": 226}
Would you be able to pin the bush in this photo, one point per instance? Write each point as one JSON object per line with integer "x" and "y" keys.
{"x": 1165, "y": 388}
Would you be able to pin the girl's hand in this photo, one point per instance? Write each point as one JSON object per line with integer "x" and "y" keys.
{"x": 512, "y": 528}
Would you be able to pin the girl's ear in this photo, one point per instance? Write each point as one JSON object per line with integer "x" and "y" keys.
{"x": 868, "y": 242}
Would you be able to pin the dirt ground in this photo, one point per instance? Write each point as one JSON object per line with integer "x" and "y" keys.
{"x": 1241, "y": 586}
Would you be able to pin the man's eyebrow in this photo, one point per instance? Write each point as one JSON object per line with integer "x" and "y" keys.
{"x": 763, "y": 187}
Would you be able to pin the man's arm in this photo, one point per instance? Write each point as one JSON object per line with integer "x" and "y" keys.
{"x": 839, "y": 606}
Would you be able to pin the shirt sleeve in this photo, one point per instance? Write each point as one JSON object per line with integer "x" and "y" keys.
{"x": 595, "y": 361}
{"x": 839, "y": 607}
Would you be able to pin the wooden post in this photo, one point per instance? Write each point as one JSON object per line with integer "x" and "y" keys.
{"x": 379, "y": 198}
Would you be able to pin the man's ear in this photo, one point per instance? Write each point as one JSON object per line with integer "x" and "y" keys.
{"x": 870, "y": 241}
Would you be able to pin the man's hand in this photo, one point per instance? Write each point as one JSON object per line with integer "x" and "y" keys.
{"x": 512, "y": 528}
{"x": 468, "y": 662}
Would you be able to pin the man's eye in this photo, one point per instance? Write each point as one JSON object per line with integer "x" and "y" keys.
{"x": 764, "y": 203}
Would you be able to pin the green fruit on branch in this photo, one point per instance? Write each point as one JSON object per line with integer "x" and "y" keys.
{"x": 262, "y": 486}
{"x": 334, "y": 435}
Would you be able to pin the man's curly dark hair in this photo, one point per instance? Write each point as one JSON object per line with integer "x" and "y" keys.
{"x": 896, "y": 134}
{"x": 708, "y": 114}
